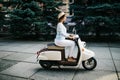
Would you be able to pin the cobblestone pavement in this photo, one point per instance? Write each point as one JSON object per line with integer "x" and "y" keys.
{"x": 18, "y": 62}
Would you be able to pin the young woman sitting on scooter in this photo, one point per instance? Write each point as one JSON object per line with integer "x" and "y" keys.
{"x": 61, "y": 36}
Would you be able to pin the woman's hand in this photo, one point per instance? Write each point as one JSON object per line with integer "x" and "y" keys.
{"x": 71, "y": 36}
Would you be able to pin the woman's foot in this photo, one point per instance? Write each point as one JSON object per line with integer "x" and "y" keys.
{"x": 71, "y": 59}
{"x": 74, "y": 58}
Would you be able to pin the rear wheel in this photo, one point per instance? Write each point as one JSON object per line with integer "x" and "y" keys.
{"x": 89, "y": 64}
{"x": 45, "y": 64}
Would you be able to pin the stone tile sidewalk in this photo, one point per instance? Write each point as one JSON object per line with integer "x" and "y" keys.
{"x": 18, "y": 62}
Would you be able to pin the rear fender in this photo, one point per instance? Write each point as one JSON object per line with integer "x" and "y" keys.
{"x": 41, "y": 57}
{"x": 42, "y": 50}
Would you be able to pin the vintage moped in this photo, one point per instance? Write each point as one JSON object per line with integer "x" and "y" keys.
{"x": 54, "y": 55}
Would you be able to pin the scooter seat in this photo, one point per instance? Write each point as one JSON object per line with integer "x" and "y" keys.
{"x": 53, "y": 46}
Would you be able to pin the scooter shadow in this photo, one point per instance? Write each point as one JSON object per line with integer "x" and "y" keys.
{"x": 63, "y": 70}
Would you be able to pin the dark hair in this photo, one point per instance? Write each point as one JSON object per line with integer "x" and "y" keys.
{"x": 61, "y": 18}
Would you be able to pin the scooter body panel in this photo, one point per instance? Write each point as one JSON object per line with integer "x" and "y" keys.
{"x": 50, "y": 55}
{"x": 87, "y": 54}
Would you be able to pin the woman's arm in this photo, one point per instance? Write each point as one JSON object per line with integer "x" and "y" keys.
{"x": 62, "y": 30}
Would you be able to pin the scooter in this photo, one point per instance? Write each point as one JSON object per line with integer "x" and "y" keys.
{"x": 54, "y": 55}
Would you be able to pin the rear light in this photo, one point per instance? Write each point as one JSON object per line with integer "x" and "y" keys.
{"x": 38, "y": 53}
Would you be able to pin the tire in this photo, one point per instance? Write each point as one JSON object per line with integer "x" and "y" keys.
{"x": 45, "y": 64}
{"x": 89, "y": 64}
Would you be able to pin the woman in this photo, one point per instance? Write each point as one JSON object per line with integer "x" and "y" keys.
{"x": 61, "y": 36}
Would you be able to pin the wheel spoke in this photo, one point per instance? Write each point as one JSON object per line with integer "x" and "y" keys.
{"x": 89, "y": 64}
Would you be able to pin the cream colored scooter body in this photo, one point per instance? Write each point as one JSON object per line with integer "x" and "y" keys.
{"x": 50, "y": 55}
{"x": 57, "y": 55}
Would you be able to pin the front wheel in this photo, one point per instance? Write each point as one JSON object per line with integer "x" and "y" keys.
{"x": 89, "y": 64}
{"x": 45, "y": 64}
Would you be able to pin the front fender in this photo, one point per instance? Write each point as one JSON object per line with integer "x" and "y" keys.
{"x": 86, "y": 54}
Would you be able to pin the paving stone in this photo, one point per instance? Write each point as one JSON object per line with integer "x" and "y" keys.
{"x": 2, "y": 43}
{"x": 5, "y": 48}
{"x": 3, "y": 54}
{"x": 54, "y": 74}
{"x": 105, "y": 64}
{"x": 31, "y": 48}
{"x": 35, "y": 48}
{"x": 5, "y": 43}
{"x": 18, "y": 56}
{"x": 22, "y": 70}
{"x": 4, "y": 64}
{"x": 95, "y": 75}
{"x": 115, "y": 44}
{"x": 101, "y": 52}
{"x": 23, "y": 48}
{"x": 117, "y": 64}
{"x": 99, "y": 44}
{"x": 31, "y": 59}
{"x": 15, "y": 47}
{"x": 119, "y": 75}
{"x": 6, "y": 77}
{"x": 115, "y": 53}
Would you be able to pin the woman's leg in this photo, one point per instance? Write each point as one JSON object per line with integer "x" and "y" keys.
{"x": 71, "y": 49}
{"x": 67, "y": 43}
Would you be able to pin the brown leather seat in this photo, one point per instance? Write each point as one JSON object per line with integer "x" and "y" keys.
{"x": 53, "y": 46}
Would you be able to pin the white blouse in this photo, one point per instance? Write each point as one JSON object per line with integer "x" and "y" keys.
{"x": 61, "y": 32}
